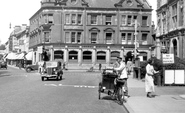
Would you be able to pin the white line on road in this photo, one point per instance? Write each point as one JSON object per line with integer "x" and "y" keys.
{"x": 76, "y": 86}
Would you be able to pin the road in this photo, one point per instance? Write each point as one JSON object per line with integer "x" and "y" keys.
{"x": 22, "y": 92}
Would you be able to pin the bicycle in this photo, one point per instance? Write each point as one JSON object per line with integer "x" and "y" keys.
{"x": 120, "y": 90}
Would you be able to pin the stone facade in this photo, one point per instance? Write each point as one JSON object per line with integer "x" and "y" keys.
{"x": 93, "y": 31}
{"x": 170, "y": 26}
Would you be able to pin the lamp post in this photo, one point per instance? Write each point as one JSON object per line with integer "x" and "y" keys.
{"x": 45, "y": 28}
{"x": 136, "y": 43}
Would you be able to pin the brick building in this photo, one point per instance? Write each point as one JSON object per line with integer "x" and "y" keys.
{"x": 90, "y": 31}
{"x": 171, "y": 26}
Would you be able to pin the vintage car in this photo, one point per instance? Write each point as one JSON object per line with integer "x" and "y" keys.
{"x": 3, "y": 64}
{"x": 52, "y": 69}
{"x": 30, "y": 68}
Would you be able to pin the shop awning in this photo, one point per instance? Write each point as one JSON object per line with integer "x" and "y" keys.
{"x": 11, "y": 56}
{"x": 29, "y": 56}
{"x": 20, "y": 56}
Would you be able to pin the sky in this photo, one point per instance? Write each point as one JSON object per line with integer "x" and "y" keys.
{"x": 18, "y": 12}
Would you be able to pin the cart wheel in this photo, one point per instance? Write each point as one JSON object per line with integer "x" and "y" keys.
{"x": 42, "y": 78}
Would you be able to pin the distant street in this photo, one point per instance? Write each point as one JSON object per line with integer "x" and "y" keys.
{"x": 22, "y": 92}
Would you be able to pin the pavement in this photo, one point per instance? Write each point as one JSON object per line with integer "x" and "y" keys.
{"x": 168, "y": 99}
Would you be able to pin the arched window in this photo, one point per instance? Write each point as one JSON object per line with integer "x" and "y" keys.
{"x": 101, "y": 56}
{"x": 73, "y": 56}
{"x": 58, "y": 54}
{"x": 109, "y": 35}
{"x": 114, "y": 55}
{"x": 87, "y": 56}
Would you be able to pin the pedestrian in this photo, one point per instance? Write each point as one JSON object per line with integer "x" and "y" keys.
{"x": 100, "y": 66}
{"x": 129, "y": 66}
{"x": 122, "y": 73}
{"x": 149, "y": 81}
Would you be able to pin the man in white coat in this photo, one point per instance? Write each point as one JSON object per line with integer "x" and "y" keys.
{"x": 122, "y": 70}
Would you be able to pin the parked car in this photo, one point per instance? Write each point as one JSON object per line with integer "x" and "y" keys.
{"x": 30, "y": 68}
{"x": 3, "y": 64}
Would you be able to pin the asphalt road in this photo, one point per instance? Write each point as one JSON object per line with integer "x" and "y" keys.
{"x": 22, "y": 92}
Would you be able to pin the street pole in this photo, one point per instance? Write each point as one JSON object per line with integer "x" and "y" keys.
{"x": 135, "y": 52}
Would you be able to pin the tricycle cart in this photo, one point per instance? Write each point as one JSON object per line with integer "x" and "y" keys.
{"x": 107, "y": 81}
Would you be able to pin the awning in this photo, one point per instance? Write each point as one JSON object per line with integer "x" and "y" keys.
{"x": 29, "y": 56}
{"x": 20, "y": 56}
{"x": 11, "y": 56}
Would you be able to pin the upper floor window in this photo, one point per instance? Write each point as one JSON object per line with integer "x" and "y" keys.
{"x": 108, "y": 20}
{"x": 144, "y": 20}
{"x": 48, "y": 18}
{"x": 94, "y": 19}
{"x": 129, "y": 20}
{"x": 47, "y": 37}
{"x": 108, "y": 37}
{"x": 123, "y": 38}
{"x": 79, "y": 18}
{"x": 73, "y": 19}
{"x": 67, "y": 18}
{"x": 123, "y": 20}
{"x": 73, "y": 37}
{"x": 144, "y": 36}
{"x": 94, "y": 36}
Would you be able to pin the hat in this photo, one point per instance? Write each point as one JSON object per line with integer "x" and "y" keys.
{"x": 119, "y": 58}
{"x": 149, "y": 61}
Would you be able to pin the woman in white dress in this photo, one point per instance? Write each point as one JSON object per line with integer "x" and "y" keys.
{"x": 149, "y": 81}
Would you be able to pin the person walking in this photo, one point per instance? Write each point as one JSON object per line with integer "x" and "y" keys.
{"x": 149, "y": 81}
{"x": 122, "y": 71}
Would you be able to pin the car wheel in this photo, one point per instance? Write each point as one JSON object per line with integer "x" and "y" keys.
{"x": 28, "y": 70}
{"x": 42, "y": 78}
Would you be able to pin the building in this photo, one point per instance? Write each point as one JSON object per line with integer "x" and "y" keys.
{"x": 91, "y": 31}
{"x": 171, "y": 27}
{"x": 22, "y": 37}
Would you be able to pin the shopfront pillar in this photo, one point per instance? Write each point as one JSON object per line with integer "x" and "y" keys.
{"x": 80, "y": 55}
{"x": 108, "y": 55}
{"x": 66, "y": 54}
{"x": 94, "y": 55}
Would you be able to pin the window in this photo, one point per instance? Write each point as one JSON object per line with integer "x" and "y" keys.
{"x": 79, "y": 19}
{"x": 67, "y": 19}
{"x": 46, "y": 36}
{"x": 73, "y": 37}
{"x": 73, "y": 19}
{"x": 48, "y": 18}
{"x": 123, "y": 20}
{"x": 144, "y": 20}
{"x": 93, "y": 19}
{"x": 79, "y": 35}
{"x": 108, "y": 19}
{"x": 108, "y": 38}
{"x": 129, "y": 20}
{"x": 129, "y": 36}
{"x": 134, "y": 18}
{"x": 94, "y": 37}
{"x": 123, "y": 38}
{"x": 144, "y": 36}
{"x": 67, "y": 37}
